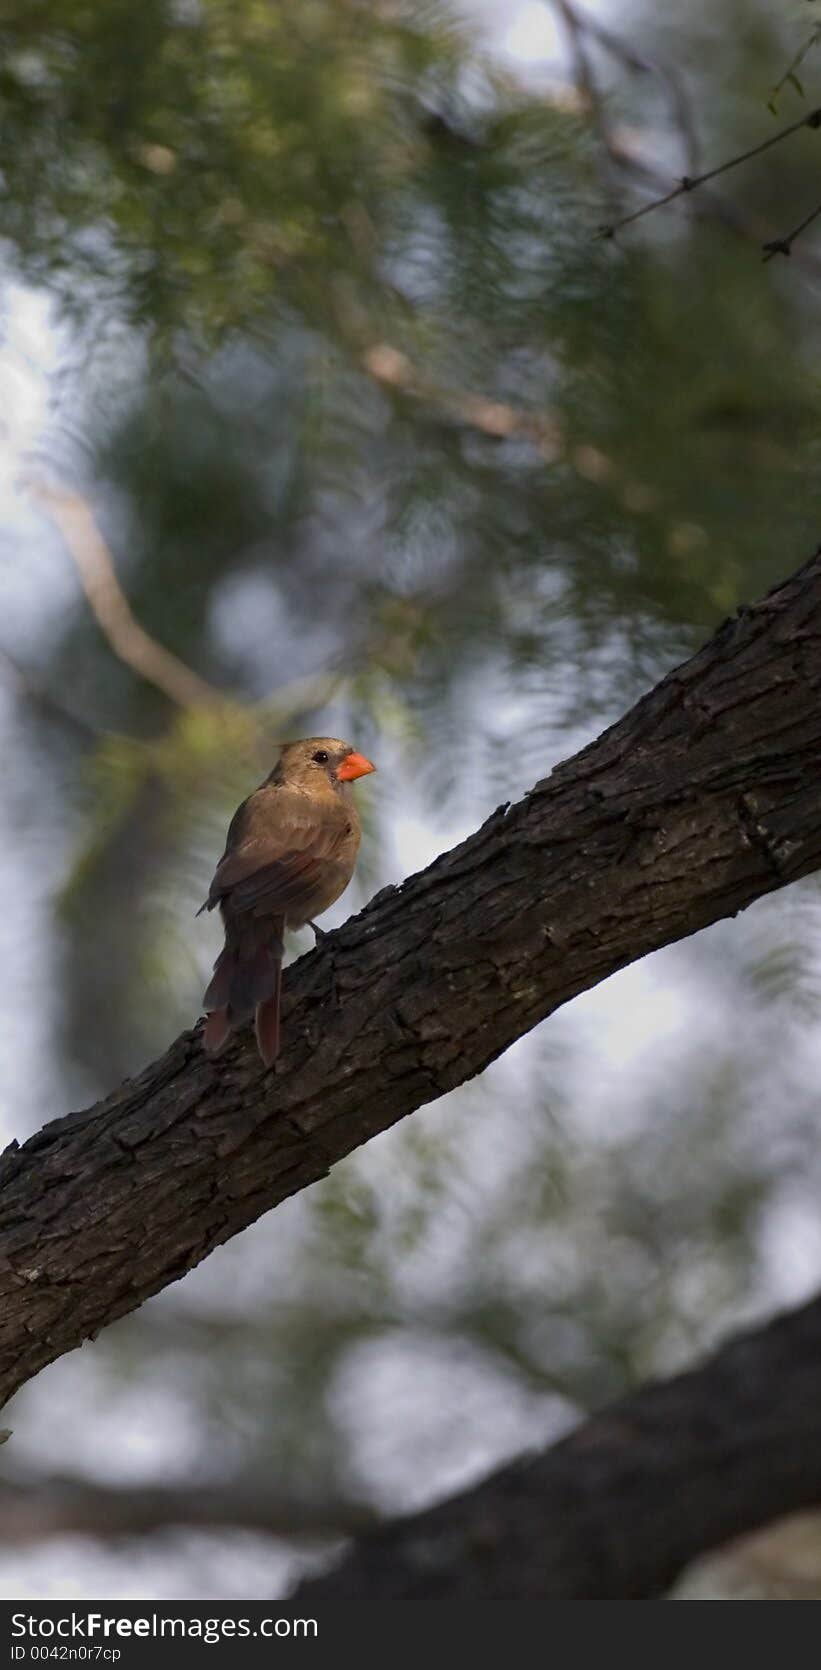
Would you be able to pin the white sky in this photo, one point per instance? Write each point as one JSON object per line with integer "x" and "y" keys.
{"x": 631, "y": 1026}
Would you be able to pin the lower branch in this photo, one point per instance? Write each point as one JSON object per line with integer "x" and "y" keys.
{"x": 618, "y": 1509}
{"x": 34, "y": 1508}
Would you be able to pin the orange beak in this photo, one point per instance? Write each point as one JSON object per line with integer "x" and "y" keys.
{"x": 355, "y": 765}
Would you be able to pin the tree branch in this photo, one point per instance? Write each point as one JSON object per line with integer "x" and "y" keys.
{"x": 109, "y": 605}
{"x": 703, "y": 798}
{"x": 638, "y": 63}
{"x": 691, "y": 182}
{"x": 783, "y": 246}
{"x": 74, "y": 518}
{"x": 34, "y": 1508}
{"x": 618, "y": 1509}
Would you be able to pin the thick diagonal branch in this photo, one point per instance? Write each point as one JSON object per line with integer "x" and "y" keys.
{"x": 618, "y": 1509}
{"x": 701, "y": 799}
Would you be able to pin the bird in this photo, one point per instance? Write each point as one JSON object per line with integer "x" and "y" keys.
{"x": 289, "y": 854}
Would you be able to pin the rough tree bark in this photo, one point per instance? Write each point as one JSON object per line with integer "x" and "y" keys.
{"x": 618, "y": 1509}
{"x": 701, "y": 799}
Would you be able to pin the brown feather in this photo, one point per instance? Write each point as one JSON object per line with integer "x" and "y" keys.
{"x": 290, "y": 852}
{"x": 217, "y": 1032}
{"x": 266, "y": 1025}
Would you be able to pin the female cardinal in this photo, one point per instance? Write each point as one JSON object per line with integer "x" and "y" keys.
{"x": 290, "y": 852}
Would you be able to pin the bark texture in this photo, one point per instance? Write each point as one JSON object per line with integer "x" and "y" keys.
{"x": 701, "y": 799}
{"x": 618, "y": 1509}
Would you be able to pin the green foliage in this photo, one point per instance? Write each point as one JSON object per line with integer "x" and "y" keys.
{"x": 790, "y": 76}
{"x": 193, "y": 163}
{"x": 386, "y": 443}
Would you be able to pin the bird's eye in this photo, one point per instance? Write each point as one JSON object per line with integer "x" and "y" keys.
{"x": 321, "y": 757}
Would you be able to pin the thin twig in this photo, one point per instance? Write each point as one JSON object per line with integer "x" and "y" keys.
{"x": 639, "y": 64}
{"x": 132, "y": 644}
{"x": 586, "y": 84}
{"x": 795, "y": 63}
{"x": 109, "y": 605}
{"x": 690, "y": 183}
{"x": 783, "y": 246}
{"x": 710, "y": 204}
{"x": 391, "y": 368}
{"x": 37, "y": 1506}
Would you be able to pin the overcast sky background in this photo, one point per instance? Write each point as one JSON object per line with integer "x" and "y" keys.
{"x": 635, "y": 1027}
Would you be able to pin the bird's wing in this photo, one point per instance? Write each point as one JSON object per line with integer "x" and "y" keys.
{"x": 278, "y": 843}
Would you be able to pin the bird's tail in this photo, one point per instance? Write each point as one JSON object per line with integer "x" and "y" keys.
{"x": 247, "y": 981}
{"x": 266, "y": 1022}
